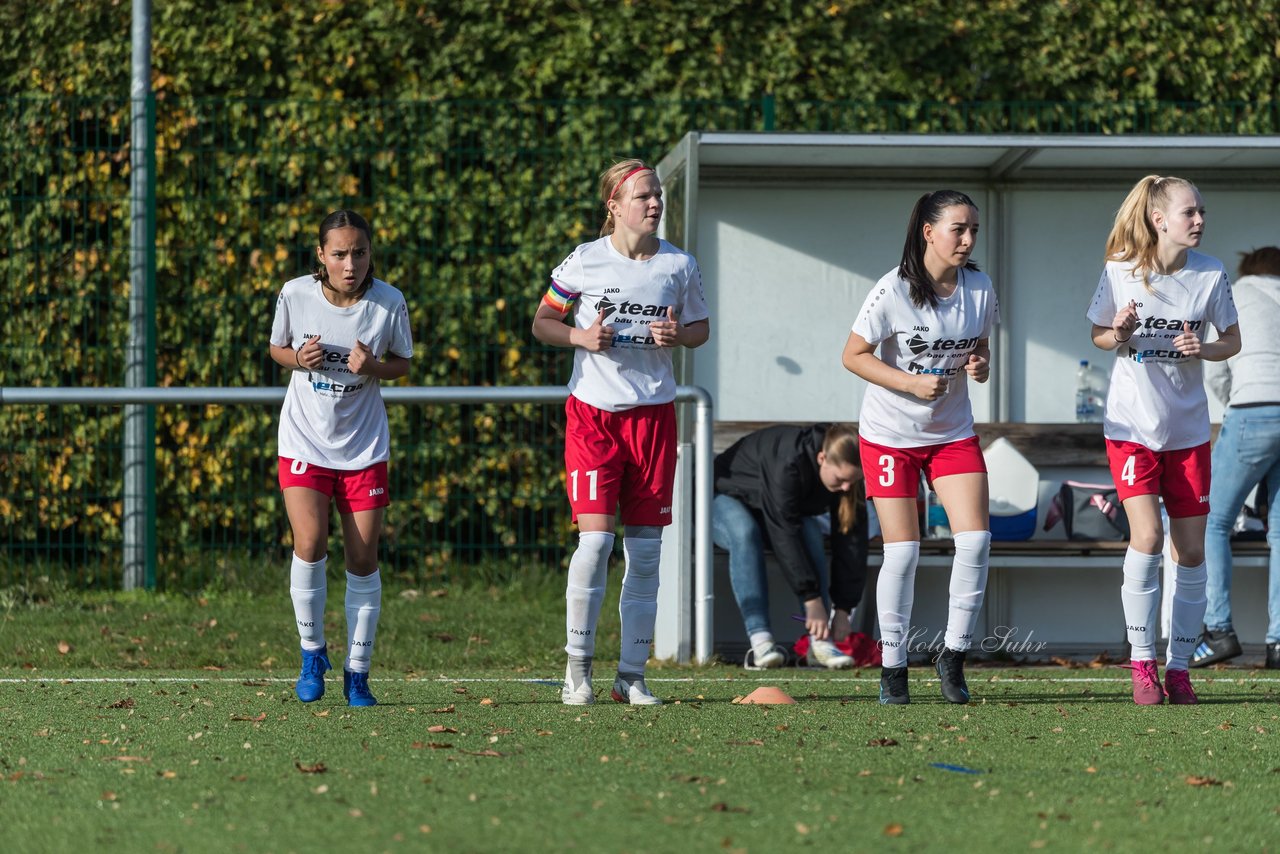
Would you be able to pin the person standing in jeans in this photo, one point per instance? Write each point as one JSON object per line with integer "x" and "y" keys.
{"x": 774, "y": 482}
{"x": 1246, "y": 454}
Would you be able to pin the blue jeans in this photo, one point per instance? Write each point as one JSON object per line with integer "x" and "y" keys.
{"x": 1247, "y": 450}
{"x": 734, "y": 528}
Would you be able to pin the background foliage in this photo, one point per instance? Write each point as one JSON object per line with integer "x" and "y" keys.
{"x": 471, "y": 134}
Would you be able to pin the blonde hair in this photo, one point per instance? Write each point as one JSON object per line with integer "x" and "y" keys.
{"x": 1133, "y": 236}
{"x": 611, "y": 181}
{"x": 840, "y": 447}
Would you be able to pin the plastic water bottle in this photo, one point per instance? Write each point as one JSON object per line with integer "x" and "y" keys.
{"x": 1086, "y": 396}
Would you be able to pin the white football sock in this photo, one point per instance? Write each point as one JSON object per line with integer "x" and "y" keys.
{"x": 1140, "y": 596}
{"x": 638, "y": 605}
{"x": 308, "y": 589}
{"x": 895, "y": 593}
{"x": 364, "y": 604}
{"x": 1185, "y": 615}
{"x": 968, "y": 584}
{"x": 584, "y": 593}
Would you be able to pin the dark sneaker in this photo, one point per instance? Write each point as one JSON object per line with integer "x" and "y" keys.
{"x": 1273, "y": 656}
{"x": 950, "y": 665}
{"x": 1215, "y": 647}
{"x": 355, "y": 687}
{"x": 893, "y": 686}
{"x": 310, "y": 685}
{"x": 1177, "y": 686}
{"x": 1146, "y": 682}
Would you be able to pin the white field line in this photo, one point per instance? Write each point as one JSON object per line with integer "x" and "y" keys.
{"x": 523, "y": 680}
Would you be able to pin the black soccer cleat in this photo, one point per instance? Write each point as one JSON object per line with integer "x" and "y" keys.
{"x": 950, "y": 665}
{"x": 1273, "y": 656}
{"x": 1215, "y": 647}
{"x": 893, "y": 686}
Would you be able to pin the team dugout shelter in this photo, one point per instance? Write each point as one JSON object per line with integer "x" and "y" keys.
{"x": 792, "y": 230}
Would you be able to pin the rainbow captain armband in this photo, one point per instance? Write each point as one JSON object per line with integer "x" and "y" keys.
{"x": 559, "y": 299}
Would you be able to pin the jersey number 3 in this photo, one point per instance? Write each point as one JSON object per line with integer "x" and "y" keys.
{"x": 886, "y": 470}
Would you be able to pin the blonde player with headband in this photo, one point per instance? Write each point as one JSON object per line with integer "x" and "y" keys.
{"x": 1153, "y": 302}
{"x": 932, "y": 319}
{"x": 630, "y": 298}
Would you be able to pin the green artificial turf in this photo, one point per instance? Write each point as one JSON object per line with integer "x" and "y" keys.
{"x": 471, "y": 750}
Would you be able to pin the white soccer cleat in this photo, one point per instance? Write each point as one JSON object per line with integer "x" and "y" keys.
{"x": 774, "y": 656}
{"x": 576, "y": 695}
{"x": 634, "y": 692}
{"x": 824, "y": 653}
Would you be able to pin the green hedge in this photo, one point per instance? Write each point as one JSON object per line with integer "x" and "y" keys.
{"x": 471, "y": 134}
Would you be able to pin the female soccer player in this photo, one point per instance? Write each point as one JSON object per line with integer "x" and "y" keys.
{"x": 340, "y": 331}
{"x": 932, "y": 318}
{"x": 1151, "y": 306}
{"x": 631, "y": 297}
{"x": 774, "y": 481}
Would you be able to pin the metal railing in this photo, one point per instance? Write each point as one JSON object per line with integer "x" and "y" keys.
{"x": 703, "y": 589}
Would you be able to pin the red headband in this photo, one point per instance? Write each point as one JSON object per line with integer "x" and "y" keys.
{"x": 624, "y": 180}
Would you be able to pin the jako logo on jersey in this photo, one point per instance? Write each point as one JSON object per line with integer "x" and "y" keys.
{"x": 1204, "y": 499}
{"x": 608, "y": 306}
{"x": 917, "y": 345}
{"x": 377, "y": 490}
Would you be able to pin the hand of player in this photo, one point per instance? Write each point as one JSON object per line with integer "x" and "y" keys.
{"x": 840, "y": 625}
{"x": 1188, "y": 342}
{"x": 666, "y": 333}
{"x": 978, "y": 368}
{"x": 360, "y": 360}
{"x": 1126, "y": 322}
{"x": 929, "y": 386}
{"x": 311, "y": 356}
{"x": 595, "y": 337}
{"x": 815, "y": 619}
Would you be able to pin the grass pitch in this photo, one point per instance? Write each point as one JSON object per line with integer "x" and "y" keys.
{"x": 141, "y": 724}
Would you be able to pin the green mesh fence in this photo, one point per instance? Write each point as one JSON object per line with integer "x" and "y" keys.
{"x": 472, "y": 204}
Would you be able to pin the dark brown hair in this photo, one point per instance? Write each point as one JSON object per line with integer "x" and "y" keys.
{"x": 344, "y": 219}
{"x": 1260, "y": 262}
{"x": 928, "y": 209}
{"x": 840, "y": 447}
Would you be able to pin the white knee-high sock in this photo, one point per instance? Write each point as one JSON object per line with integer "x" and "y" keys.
{"x": 895, "y": 593}
{"x": 1140, "y": 596}
{"x": 638, "y": 605}
{"x": 1185, "y": 615}
{"x": 588, "y": 569}
{"x": 364, "y": 604}
{"x": 308, "y": 589}
{"x": 968, "y": 585}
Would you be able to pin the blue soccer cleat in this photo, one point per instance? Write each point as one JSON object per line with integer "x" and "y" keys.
{"x": 355, "y": 687}
{"x": 310, "y": 685}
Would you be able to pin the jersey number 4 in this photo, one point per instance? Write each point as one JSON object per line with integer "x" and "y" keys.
{"x": 591, "y": 484}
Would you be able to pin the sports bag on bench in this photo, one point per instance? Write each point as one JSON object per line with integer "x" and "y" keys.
{"x": 1088, "y": 511}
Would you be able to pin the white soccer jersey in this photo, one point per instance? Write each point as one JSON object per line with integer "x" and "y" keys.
{"x": 333, "y": 417}
{"x": 633, "y": 371}
{"x": 924, "y": 340}
{"x": 1157, "y": 396}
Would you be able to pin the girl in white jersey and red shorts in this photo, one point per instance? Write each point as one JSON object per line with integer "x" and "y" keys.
{"x": 932, "y": 319}
{"x": 1152, "y": 306}
{"x": 341, "y": 332}
{"x": 630, "y": 298}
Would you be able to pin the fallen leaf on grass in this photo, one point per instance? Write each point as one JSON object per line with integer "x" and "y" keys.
{"x": 64, "y": 647}
{"x": 480, "y": 752}
{"x": 438, "y": 745}
{"x": 542, "y": 732}
{"x": 721, "y": 806}
{"x": 690, "y": 778}
{"x": 323, "y": 714}
{"x": 168, "y": 775}
{"x": 752, "y": 742}
{"x": 503, "y": 731}
{"x": 262, "y": 716}
{"x": 460, "y": 690}
{"x": 317, "y": 768}
{"x": 894, "y": 829}
{"x": 1195, "y": 780}
{"x": 439, "y": 593}
{"x": 882, "y": 742}
{"x": 443, "y": 637}
{"x": 126, "y": 703}
{"x": 444, "y": 711}
{"x": 125, "y": 759}
{"x": 487, "y": 702}
{"x": 441, "y": 728}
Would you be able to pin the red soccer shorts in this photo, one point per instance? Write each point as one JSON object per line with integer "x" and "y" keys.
{"x": 1181, "y": 477}
{"x": 895, "y": 472}
{"x": 365, "y": 489}
{"x": 626, "y": 458}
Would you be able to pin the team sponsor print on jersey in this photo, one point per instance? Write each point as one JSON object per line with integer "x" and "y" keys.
{"x": 633, "y": 313}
